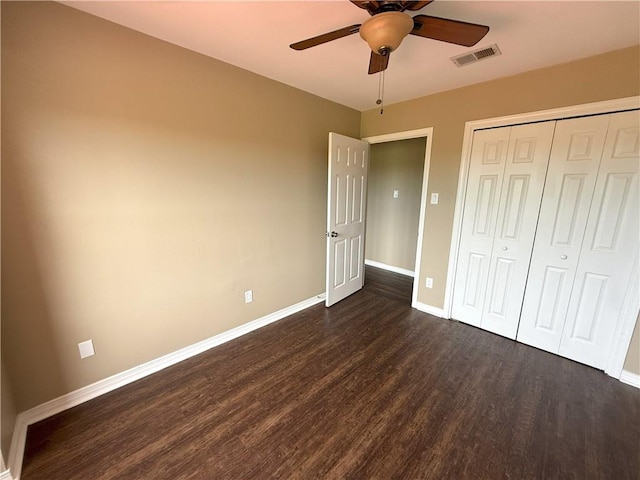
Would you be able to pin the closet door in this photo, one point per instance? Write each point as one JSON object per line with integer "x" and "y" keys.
{"x": 609, "y": 248}
{"x": 506, "y": 179}
{"x": 571, "y": 177}
{"x": 486, "y": 170}
{"x": 521, "y": 194}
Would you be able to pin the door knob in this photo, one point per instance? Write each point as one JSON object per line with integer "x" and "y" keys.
{"x": 504, "y": 249}
{"x": 563, "y": 257}
{"x": 332, "y": 234}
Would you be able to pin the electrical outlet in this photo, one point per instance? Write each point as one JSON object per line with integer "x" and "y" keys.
{"x": 86, "y": 349}
{"x": 396, "y": 194}
{"x": 434, "y": 198}
{"x": 429, "y": 282}
{"x": 248, "y": 296}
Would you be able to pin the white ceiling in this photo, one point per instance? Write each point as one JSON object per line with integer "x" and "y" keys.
{"x": 255, "y": 35}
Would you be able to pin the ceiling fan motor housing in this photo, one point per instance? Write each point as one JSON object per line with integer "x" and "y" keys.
{"x": 385, "y": 31}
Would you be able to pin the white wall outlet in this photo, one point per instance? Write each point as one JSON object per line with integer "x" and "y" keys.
{"x": 434, "y": 198}
{"x": 248, "y": 296}
{"x": 396, "y": 193}
{"x": 429, "y": 282}
{"x": 86, "y": 349}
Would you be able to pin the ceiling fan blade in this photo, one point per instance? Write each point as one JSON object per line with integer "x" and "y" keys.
{"x": 325, "y": 37}
{"x": 362, "y": 4}
{"x": 370, "y": 6}
{"x": 378, "y": 63}
{"x": 413, "y": 6}
{"x": 451, "y": 31}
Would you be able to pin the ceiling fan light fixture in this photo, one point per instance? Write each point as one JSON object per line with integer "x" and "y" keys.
{"x": 385, "y": 31}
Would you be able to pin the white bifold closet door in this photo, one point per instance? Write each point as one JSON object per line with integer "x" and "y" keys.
{"x": 504, "y": 191}
{"x": 587, "y": 239}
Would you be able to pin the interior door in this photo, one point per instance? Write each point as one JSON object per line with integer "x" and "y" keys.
{"x": 571, "y": 177}
{"x": 609, "y": 248}
{"x": 346, "y": 213}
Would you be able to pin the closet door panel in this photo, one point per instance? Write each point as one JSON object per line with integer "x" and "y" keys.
{"x": 610, "y": 246}
{"x": 521, "y": 194}
{"x": 571, "y": 177}
{"x": 486, "y": 170}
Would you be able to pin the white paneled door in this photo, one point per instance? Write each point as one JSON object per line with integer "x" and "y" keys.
{"x": 588, "y": 241}
{"x": 550, "y": 236}
{"x": 486, "y": 170}
{"x": 346, "y": 210}
{"x": 573, "y": 169}
{"x": 522, "y": 186}
{"x": 506, "y": 180}
{"x": 609, "y": 248}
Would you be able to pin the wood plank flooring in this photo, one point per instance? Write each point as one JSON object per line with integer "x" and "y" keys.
{"x": 368, "y": 389}
{"x": 388, "y": 284}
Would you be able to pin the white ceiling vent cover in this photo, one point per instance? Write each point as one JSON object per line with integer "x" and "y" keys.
{"x": 476, "y": 55}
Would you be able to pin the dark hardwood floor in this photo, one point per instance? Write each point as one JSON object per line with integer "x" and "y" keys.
{"x": 368, "y": 389}
{"x": 388, "y": 284}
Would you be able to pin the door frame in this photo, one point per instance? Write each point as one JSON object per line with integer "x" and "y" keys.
{"x": 427, "y": 133}
{"x": 624, "y": 329}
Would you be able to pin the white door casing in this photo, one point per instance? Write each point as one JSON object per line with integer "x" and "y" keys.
{"x": 610, "y": 247}
{"x": 427, "y": 134}
{"x": 571, "y": 178}
{"x": 346, "y": 213}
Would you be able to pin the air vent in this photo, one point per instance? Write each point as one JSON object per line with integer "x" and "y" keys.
{"x": 476, "y": 55}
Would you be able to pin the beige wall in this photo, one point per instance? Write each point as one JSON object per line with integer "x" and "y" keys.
{"x": 632, "y": 362}
{"x": 392, "y": 223}
{"x": 144, "y": 189}
{"x": 612, "y": 75}
{"x": 7, "y": 408}
{"x": 8, "y": 413}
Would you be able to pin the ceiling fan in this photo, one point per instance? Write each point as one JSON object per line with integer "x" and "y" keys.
{"x": 388, "y": 25}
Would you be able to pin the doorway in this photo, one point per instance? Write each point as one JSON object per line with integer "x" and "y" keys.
{"x": 396, "y": 202}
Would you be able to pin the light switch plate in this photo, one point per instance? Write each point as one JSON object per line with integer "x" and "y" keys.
{"x": 248, "y": 296}
{"x": 434, "y": 198}
{"x": 86, "y": 349}
{"x": 396, "y": 194}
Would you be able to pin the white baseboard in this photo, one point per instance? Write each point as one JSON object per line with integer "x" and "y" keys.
{"x": 629, "y": 378}
{"x": 391, "y": 268}
{"x": 84, "y": 394}
{"x": 6, "y": 475}
{"x": 435, "y": 311}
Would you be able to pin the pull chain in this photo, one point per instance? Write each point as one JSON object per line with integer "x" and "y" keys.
{"x": 380, "y": 100}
